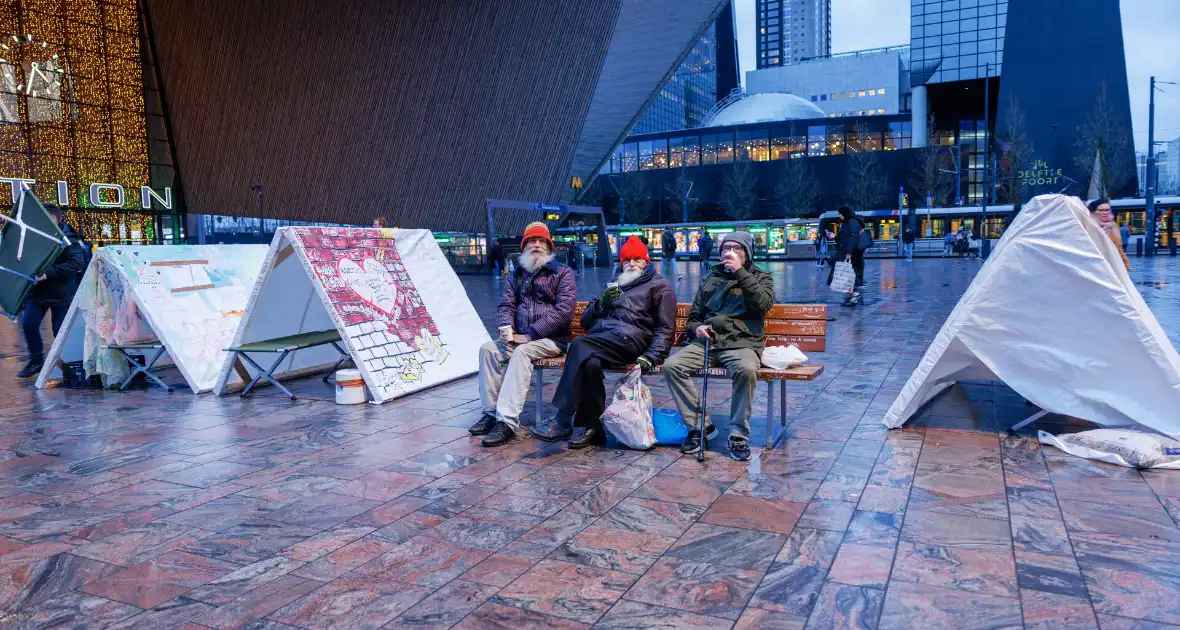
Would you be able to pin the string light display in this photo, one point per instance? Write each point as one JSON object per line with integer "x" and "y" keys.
{"x": 72, "y": 109}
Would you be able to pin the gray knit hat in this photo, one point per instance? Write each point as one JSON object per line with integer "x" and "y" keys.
{"x": 745, "y": 239}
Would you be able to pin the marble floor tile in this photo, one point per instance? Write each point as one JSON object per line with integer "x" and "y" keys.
{"x": 570, "y": 591}
{"x": 698, "y": 587}
{"x": 653, "y": 517}
{"x": 908, "y": 606}
{"x": 494, "y": 616}
{"x": 862, "y": 565}
{"x": 616, "y": 549}
{"x": 729, "y": 546}
{"x": 424, "y": 561}
{"x": 754, "y": 513}
{"x": 627, "y": 615}
{"x": 845, "y": 606}
{"x": 159, "y": 579}
{"x": 353, "y": 602}
{"x": 967, "y": 569}
{"x": 1045, "y": 611}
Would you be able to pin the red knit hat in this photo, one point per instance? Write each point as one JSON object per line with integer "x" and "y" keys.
{"x": 632, "y": 249}
{"x": 536, "y": 229}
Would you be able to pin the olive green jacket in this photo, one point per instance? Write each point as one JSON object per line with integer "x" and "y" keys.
{"x": 735, "y": 306}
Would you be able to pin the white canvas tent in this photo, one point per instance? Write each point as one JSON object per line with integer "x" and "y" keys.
{"x": 1054, "y": 315}
{"x": 401, "y": 312}
{"x": 189, "y": 298}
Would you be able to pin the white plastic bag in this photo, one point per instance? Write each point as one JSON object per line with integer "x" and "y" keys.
{"x": 843, "y": 277}
{"x": 628, "y": 417}
{"x": 783, "y": 357}
{"x": 1133, "y": 449}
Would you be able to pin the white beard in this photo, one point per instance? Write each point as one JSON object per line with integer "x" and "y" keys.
{"x": 533, "y": 262}
{"x": 627, "y": 277}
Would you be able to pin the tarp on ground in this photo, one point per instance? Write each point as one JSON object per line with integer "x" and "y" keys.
{"x": 29, "y": 243}
{"x": 402, "y": 313}
{"x": 190, "y": 298}
{"x": 1054, "y": 315}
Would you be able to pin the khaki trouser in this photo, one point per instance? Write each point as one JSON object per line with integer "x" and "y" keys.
{"x": 742, "y": 364}
{"x": 504, "y": 374}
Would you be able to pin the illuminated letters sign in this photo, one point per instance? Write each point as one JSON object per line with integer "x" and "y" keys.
{"x": 146, "y": 194}
{"x": 1040, "y": 174}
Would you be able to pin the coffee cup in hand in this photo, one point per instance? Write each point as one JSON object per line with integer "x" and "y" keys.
{"x": 506, "y": 333}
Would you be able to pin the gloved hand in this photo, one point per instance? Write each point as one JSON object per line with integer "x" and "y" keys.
{"x": 644, "y": 363}
{"x": 608, "y": 297}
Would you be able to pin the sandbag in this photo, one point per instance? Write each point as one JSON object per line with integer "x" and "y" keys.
{"x": 1133, "y": 449}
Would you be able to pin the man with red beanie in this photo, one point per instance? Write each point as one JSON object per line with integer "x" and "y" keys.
{"x": 633, "y": 322}
{"x": 534, "y": 317}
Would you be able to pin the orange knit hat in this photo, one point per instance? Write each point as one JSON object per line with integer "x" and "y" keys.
{"x": 536, "y": 229}
{"x": 632, "y": 249}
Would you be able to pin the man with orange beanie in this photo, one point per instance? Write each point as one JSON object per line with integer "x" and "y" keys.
{"x": 534, "y": 317}
{"x": 633, "y": 322}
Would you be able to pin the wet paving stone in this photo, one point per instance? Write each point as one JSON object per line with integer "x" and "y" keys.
{"x": 141, "y": 509}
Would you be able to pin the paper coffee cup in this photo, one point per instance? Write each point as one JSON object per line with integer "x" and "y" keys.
{"x": 612, "y": 285}
{"x": 505, "y": 331}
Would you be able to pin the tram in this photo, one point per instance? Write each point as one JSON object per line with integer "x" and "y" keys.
{"x": 783, "y": 239}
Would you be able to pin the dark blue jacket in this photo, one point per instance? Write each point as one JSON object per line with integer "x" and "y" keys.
{"x": 61, "y": 279}
{"x": 540, "y": 305}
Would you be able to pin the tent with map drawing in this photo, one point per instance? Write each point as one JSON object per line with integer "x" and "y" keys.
{"x": 391, "y": 296}
{"x": 186, "y": 298}
{"x": 1055, "y": 316}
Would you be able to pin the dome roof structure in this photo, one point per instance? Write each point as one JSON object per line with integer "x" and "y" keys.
{"x": 766, "y": 107}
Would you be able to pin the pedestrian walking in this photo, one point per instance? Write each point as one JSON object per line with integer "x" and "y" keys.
{"x": 907, "y": 242}
{"x": 851, "y": 246}
{"x": 670, "y": 246}
{"x": 1101, "y": 213}
{"x": 821, "y": 247}
{"x": 948, "y": 242}
{"x": 52, "y": 292}
{"x": 705, "y": 247}
{"x": 1125, "y": 233}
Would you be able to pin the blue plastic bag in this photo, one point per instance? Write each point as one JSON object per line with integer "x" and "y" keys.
{"x": 669, "y": 426}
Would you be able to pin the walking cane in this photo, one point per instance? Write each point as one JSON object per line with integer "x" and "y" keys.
{"x": 702, "y": 408}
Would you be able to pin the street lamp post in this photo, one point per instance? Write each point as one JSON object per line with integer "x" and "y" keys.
{"x": 985, "y": 247}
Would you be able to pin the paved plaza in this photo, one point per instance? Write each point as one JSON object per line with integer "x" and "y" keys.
{"x": 148, "y": 510}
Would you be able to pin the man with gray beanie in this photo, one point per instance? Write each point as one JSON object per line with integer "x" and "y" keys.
{"x": 730, "y": 310}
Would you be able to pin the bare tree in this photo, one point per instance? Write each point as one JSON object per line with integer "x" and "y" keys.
{"x": 1103, "y": 137}
{"x": 740, "y": 191}
{"x": 866, "y": 184}
{"x": 929, "y": 174}
{"x": 1014, "y": 153}
{"x": 675, "y": 191}
{"x": 796, "y": 190}
{"x": 637, "y": 201}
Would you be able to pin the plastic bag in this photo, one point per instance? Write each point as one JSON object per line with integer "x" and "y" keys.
{"x": 843, "y": 277}
{"x": 1133, "y": 449}
{"x": 628, "y": 417}
{"x": 783, "y": 357}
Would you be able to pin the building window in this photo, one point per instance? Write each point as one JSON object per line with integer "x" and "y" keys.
{"x": 872, "y": 92}
{"x": 835, "y": 140}
{"x": 861, "y": 93}
{"x": 814, "y": 98}
{"x": 630, "y": 157}
{"x": 881, "y": 91}
{"x": 724, "y": 148}
{"x": 759, "y": 147}
{"x": 691, "y": 151}
{"x": 816, "y": 140}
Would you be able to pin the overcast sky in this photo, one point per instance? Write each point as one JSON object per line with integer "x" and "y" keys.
{"x": 1151, "y": 35}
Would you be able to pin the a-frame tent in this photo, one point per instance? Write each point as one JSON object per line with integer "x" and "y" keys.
{"x": 399, "y": 309}
{"x": 186, "y": 300}
{"x": 1054, "y": 315}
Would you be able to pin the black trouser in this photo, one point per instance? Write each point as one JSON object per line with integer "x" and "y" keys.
{"x": 858, "y": 265}
{"x": 31, "y": 323}
{"x": 581, "y": 392}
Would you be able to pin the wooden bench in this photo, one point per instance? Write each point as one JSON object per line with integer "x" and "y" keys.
{"x": 284, "y": 346}
{"x": 804, "y": 325}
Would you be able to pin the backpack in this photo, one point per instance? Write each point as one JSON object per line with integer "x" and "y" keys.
{"x": 866, "y": 238}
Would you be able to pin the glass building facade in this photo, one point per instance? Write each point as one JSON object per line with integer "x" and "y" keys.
{"x": 688, "y": 96}
{"x": 760, "y": 142}
{"x": 955, "y": 40}
{"x": 790, "y": 31}
{"x": 78, "y": 107}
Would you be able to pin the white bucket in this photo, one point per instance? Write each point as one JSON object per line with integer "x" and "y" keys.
{"x": 350, "y": 387}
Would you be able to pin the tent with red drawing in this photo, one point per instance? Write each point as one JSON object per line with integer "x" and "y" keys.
{"x": 386, "y": 300}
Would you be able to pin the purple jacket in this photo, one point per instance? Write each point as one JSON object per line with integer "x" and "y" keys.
{"x": 540, "y": 305}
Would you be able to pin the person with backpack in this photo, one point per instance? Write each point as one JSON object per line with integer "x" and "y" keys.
{"x": 52, "y": 293}
{"x": 851, "y": 243}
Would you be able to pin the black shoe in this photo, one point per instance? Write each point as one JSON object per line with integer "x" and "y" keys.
{"x": 739, "y": 449}
{"x": 552, "y": 429}
{"x": 584, "y": 437}
{"x": 500, "y": 434}
{"x": 484, "y": 425}
{"x": 32, "y": 368}
{"x": 693, "y": 442}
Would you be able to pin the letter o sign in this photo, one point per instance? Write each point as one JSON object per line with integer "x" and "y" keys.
{"x": 96, "y": 195}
